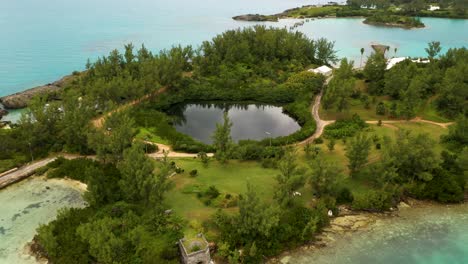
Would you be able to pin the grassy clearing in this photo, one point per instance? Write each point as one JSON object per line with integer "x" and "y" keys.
{"x": 429, "y": 112}
{"x": 231, "y": 179}
{"x": 313, "y": 11}
{"x": 355, "y": 107}
{"x": 149, "y": 134}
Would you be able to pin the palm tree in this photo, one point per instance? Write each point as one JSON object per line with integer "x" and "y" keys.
{"x": 395, "y": 51}
{"x": 362, "y": 53}
{"x": 388, "y": 48}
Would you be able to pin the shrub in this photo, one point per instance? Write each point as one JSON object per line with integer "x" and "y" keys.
{"x": 380, "y": 109}
{"x": 72, "y": 169}
{"x": 212, "y": 192}
{"x": 372, "y": 201}
{"x": 345, "y": 127}
{"x": 150, "y": 148}
{"x": 344, "y": 196}
{"x": 193, "y": 173}
{"x": 318, "y": 140}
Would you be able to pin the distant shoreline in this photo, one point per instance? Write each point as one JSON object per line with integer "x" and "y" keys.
{"x": 22, "y": 99}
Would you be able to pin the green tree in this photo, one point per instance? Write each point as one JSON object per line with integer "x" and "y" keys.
{"x": 222, "y": 140}
{"x": 116, "y": 135}
{"x": 204, "y": 158}
{"x": 357, "y": 152}
{"x": 380, "y": 109}
{"x": 139, "y": 183}
{"x": 374, "y": 71}
{"x": 325, "y": 177}
{"x": 362, "y": 53}
{"x": 326, "y": 53}
{"x": 256, "y": 217}
{"x": 291, "y": 178}
{"x": 433, "y": 49}
{"x": 74, "y": 125}
{"x": 454, "y": 91}
{"x": 107, "y": 238}
{"x": 413, "y": 156}
{"x": 458, "y": 133}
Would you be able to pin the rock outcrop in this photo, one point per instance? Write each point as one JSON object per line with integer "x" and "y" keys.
{"x": 256, "y": 18}
{"x": 22, "y": 99}
{"x": 3, "y": 112}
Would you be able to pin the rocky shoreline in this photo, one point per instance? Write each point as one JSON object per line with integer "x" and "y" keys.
{"x": 21, "y": 99}
{"x": 269, "y": 18}
{"x": 345, "y": 223}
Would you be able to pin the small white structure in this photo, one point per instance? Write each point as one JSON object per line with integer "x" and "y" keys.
{"x": 433, "y": 8}
{"x": 393, "y": 61}
{"x": 421, "y": 60}
{"x": 324, "y": 70}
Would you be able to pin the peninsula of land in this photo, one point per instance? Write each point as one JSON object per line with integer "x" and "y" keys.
{"x": 392, "y": 16}
{"x": 22, "y": 99}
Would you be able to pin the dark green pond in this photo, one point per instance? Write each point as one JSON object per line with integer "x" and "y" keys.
{"x": 250, "y": 121}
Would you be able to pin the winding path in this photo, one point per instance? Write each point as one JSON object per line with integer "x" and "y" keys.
{"x": 389, "y": 123}
{"x": 320, "y": 124}
{"x": 29, "y": 169}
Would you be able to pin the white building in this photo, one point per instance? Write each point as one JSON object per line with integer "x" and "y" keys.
{"x": 433, "y": 8}
{"x": 393, "y": 61}
{"x": 324, "y": 70}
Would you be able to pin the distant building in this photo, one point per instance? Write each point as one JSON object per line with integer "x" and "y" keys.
{"x": 433, "y": 8}
{"x": 393, "y": 61}
{"x": 195, "y": 251}
{"x": 324, "y": 70}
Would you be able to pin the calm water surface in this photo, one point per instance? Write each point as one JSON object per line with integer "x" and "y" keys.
{"x": 42, "y": 41}
{"x": 250, "y": 121}
{"x": 26, "y": 205}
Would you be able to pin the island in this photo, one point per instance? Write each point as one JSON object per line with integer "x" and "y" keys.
{"x": 394, "y": 21}
{"x": 379, "y": 14}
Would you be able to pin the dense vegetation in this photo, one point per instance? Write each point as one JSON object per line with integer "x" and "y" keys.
{"x": 411, "y": 84}
{"x": 252, "y": 64}
{"x": 138, "y": 207}
{"x": 394, "y": 20}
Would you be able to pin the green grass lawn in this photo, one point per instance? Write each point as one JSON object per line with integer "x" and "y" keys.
{"x": 428, "y": 111}
{"x": 230, "y": 178}
{"x": 150, "y": 135}
{"x": 314, "y": 11}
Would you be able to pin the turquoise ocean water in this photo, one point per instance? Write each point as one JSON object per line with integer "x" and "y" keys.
{"x": 42, "y": 41}
{"x": 435, "y": 234}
